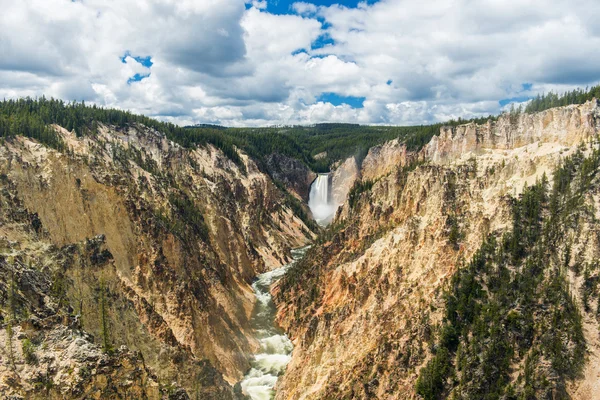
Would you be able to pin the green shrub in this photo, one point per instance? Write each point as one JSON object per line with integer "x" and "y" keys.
{"x": 29, "y": 352}
{"x": 431, "y": 382}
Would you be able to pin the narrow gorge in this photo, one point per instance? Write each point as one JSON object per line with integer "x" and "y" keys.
{"x": 299, "y": 200}
{"x": 420, "y": 286}
{"x": 275, "y": 347}
{"x": 127, "y": 264}
{"x": 141, "y": 260}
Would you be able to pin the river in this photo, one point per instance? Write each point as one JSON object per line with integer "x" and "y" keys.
{"x": 275, "y": 347}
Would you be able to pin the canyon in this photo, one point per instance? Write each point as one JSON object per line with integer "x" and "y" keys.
{"x": 134, "y": 267}
{"x": 130, "y": 240}
{"x": 366, "y": 303}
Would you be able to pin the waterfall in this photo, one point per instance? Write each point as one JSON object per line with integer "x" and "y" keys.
{"x": 319, "y": 200}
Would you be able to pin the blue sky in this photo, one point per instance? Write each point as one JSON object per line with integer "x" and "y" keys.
{"x": 285, "y": 6}
{"x": 143, "y": 61}
{"x": 265, "y": 62}
{"x": 338, "y": 100}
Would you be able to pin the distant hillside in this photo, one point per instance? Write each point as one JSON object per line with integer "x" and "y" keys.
{"x": 31, "y": 118}
{"x": 332, "y": 141}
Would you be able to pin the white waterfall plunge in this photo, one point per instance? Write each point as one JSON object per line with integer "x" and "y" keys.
{"x": 275, "y": 347}
{"x": 319, "y": 200}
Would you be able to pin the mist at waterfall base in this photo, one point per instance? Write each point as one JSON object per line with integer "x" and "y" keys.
{"x": 275, "y": 347}
{"x": 319, "y": 200}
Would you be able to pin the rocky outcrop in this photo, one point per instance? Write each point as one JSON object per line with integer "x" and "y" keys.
{"x": 58, "y": 362}
{"x": 294, "y": 174}
{"x": 363, "y": 306}
{"x": 151, "y": 242}
{"x": 562, "y": 126}
{"x": 383, "y": 159}
{"x": 343, "y": 177}
{"x": 379, "y": 161}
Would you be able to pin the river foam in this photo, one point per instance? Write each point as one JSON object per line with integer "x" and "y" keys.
{"x": 275, "y": 347}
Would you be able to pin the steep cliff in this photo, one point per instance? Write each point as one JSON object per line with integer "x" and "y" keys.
{"x": 343, "y": 177}
{"x": 367, "y": 308}
{"x": 383, "y": 159}
{"x": 296, "y": 176}
{"x": 144, "y": 244}
{"x": 379, "y": 161}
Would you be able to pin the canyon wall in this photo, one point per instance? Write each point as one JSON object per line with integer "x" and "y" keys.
{"x": 364, "y": 307}
{"x": 133, "y": 241}
{"x": 343, "y": 177}
{"x": 379, "y": 161}
{"x": 294, "y": 174}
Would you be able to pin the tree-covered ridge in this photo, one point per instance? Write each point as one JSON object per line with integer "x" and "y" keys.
{"x": 32, "y": 117}
{"x": 550, "y": 100}
{"x": 512, "y": 329}
{"x": 333, "y": 142}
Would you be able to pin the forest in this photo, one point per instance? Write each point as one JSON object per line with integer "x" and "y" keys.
{"x": 321, "y": 145}
{"x": 33, "y": 117}
{"x": 551, "y": 99}
{"x": 318, "y": 146}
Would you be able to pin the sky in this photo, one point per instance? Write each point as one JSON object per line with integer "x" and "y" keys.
{"x": 281, "y": 62}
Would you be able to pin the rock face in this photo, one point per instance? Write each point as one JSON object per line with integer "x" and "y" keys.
{"x": 383, "y": 159}
{"x": 151, "y": 246}
{"x": 362, "y": 307}
{"x": 563, "y": 126}
{"x": 70, "y": 366}
{"x": 342, "y": 179}
{"x": 296, "y": 176}
{"x": 379, "y": 161}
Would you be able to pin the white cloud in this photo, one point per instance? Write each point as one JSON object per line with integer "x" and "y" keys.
{"x": 216, "y": 61}
{"x": 277, "y": 36}
{"x": 259, "y": 4}
{"x": 303, "y": 8}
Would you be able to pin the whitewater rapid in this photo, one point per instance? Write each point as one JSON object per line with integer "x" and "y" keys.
{"x": 275, "y": 347}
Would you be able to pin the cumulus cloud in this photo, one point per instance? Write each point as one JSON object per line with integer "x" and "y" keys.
{"x": 303, "y": 8}
{"x": 259, "y": 4}
{"x": 237, "y": 63}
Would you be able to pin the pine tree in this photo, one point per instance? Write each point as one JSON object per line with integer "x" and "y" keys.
{"x": 106, "y": 341}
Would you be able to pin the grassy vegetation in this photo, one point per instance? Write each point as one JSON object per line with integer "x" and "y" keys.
{"x": 188, "y": 216}
{"x": 356, "y": 190}
{"x": 28, "y": 349}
